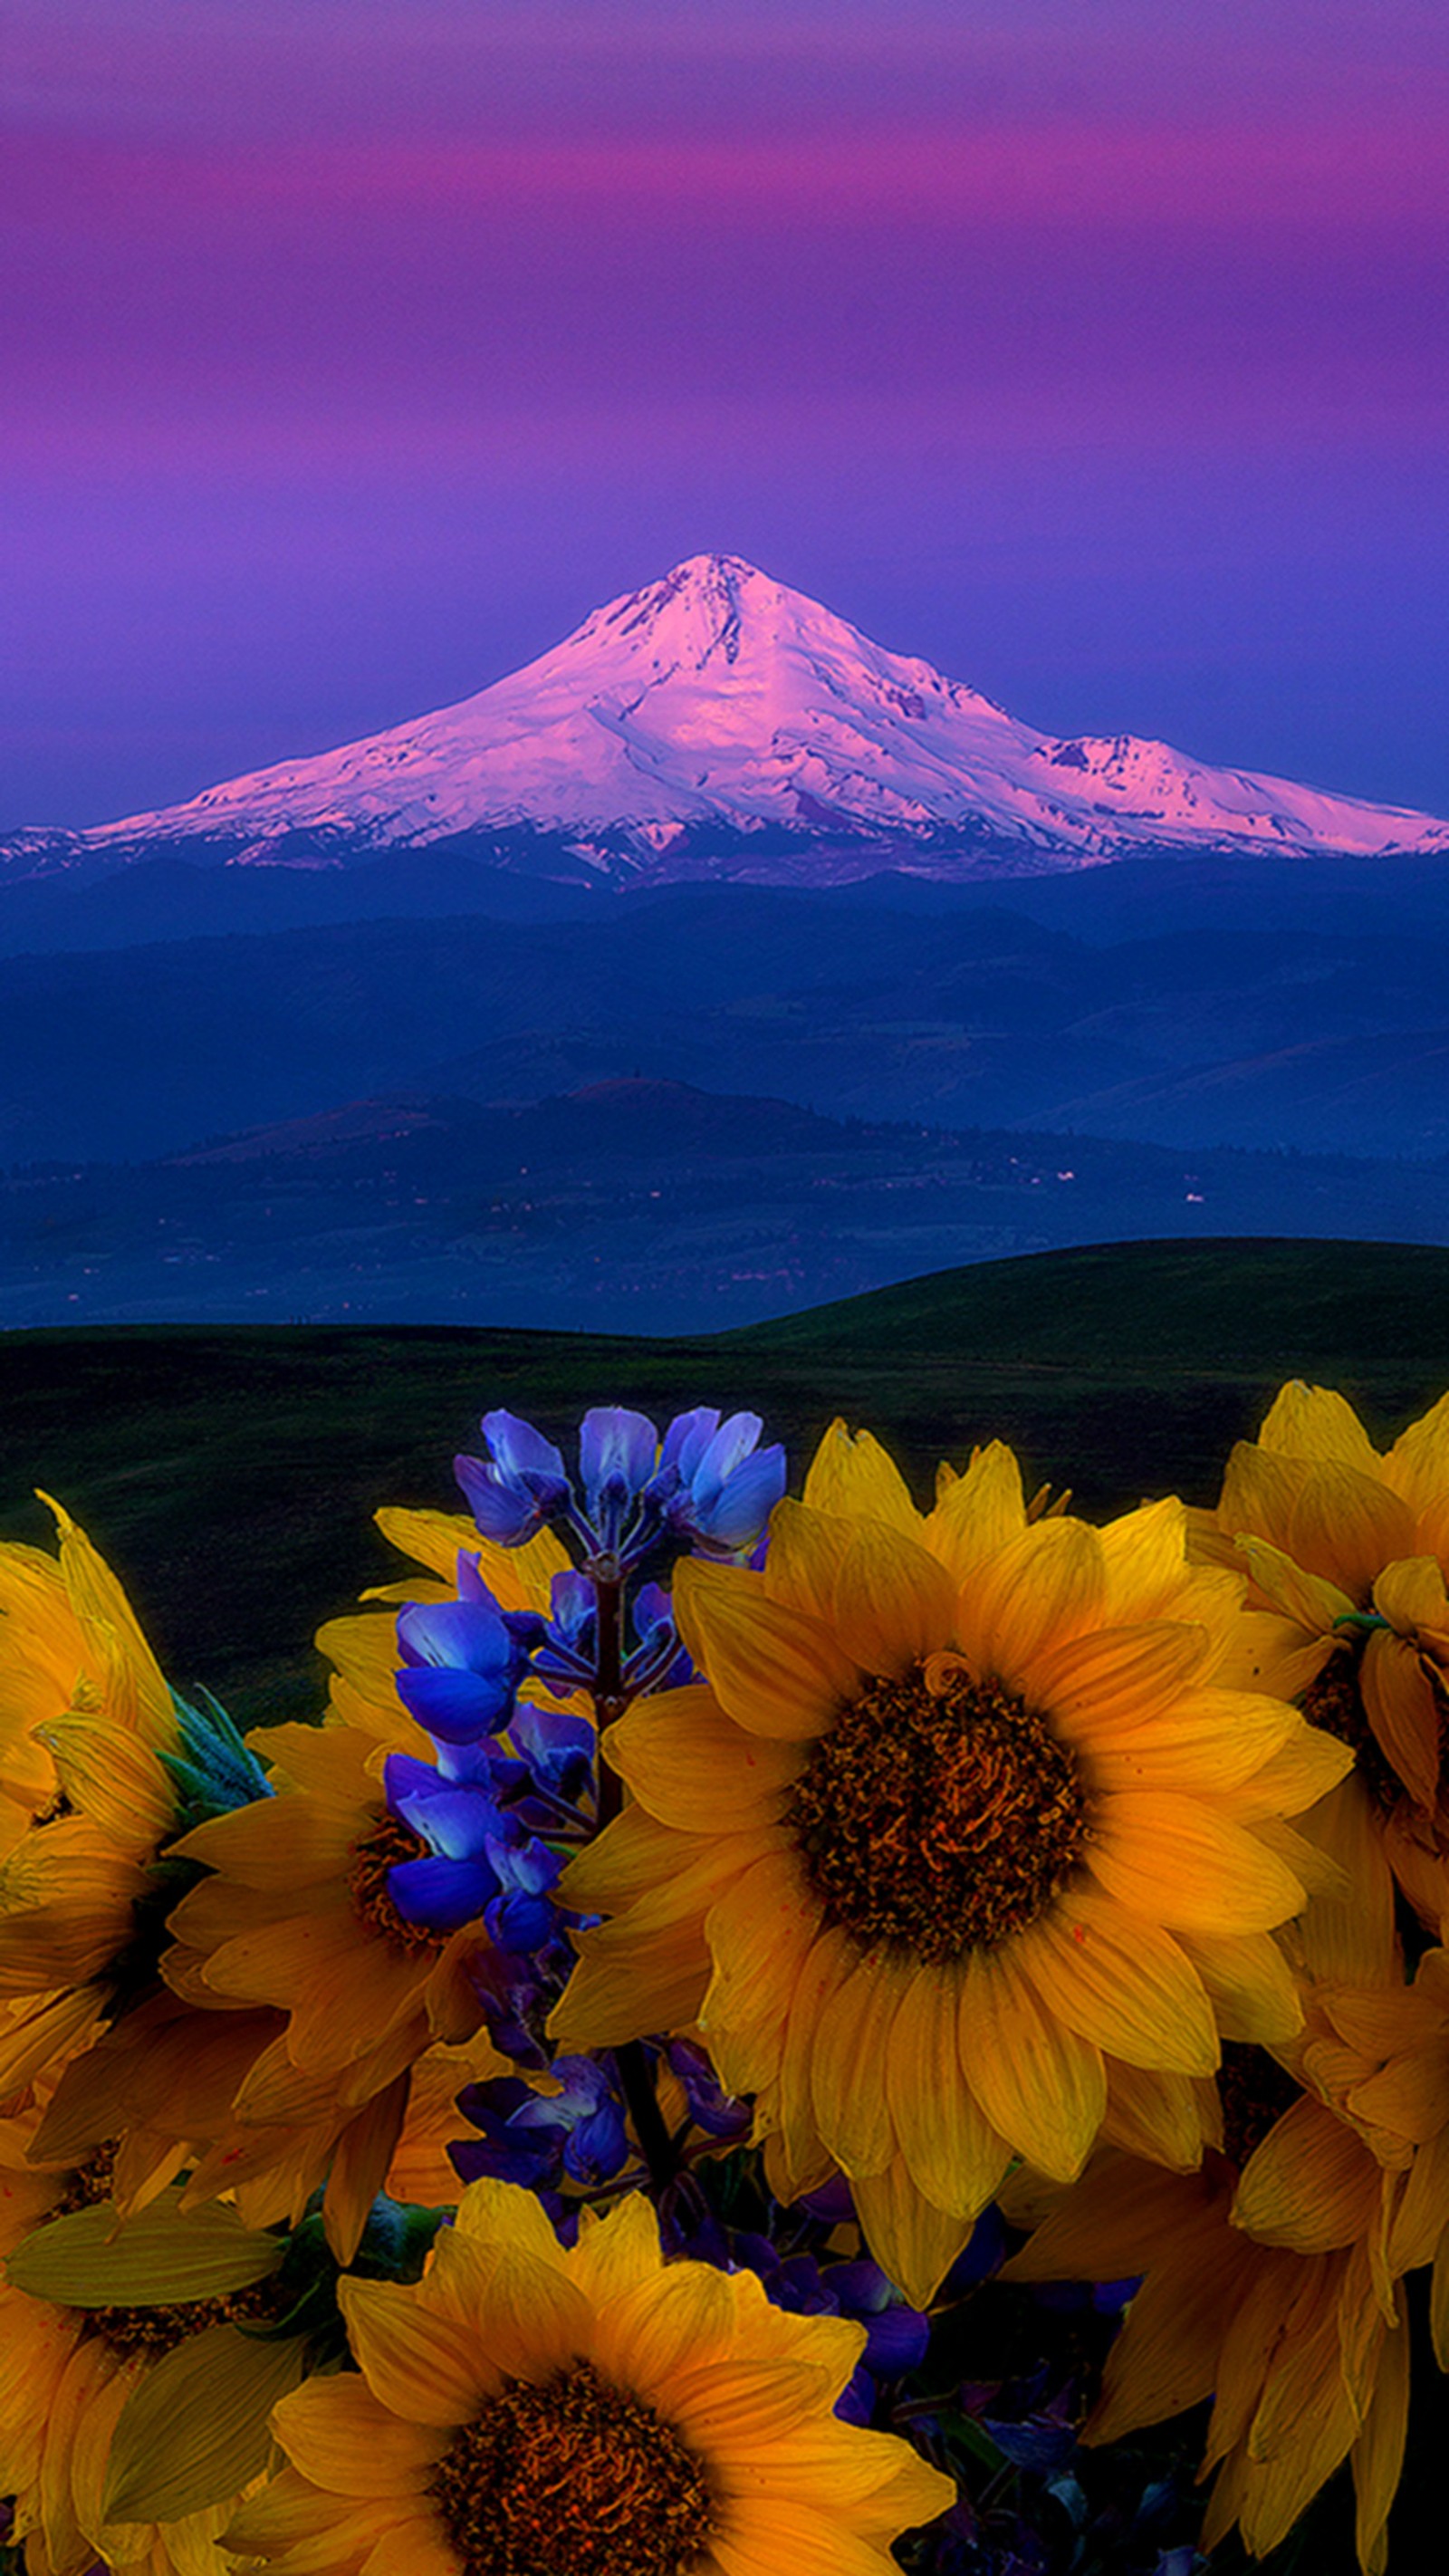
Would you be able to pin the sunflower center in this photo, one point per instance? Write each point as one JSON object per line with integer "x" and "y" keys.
{"x": 573, "y": 2478}
{"x": 378, "y": 1852}
{"x": 941, "y": 1814}
{"x": 155, "y": 2331}
{"x": 88, "y": 2183}
{"x": 1334, "y": 1701}
{"x": 1255, "y": 2091}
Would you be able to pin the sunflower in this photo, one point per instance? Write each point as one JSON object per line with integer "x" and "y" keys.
{"x": 297, "y": 1922}
{"x": 87, "y": 1728}
{"x": 1348, "y": 1551}
{"x": 962, "y": 1836}
{"x": 100, "y": 2321}
{"x": 600, "y": 2409}
{"x": 1268, "y": 2277}
{"x": 301, "y": 2007}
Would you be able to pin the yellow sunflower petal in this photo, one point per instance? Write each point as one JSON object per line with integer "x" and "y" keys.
{"x": 759, "y": 1932}
{"x": 949, "y": 2146}
{"x": 851, "y": 2102}
{"x": 1303, "y": 2429}
{"x": 1315, "y": 1422}
{"x": 1169, "y": 2359}
{"x": 1258, "y": 1493}
{"x": 1177, "y": 1864}
{"x": 1411, "y": 1594}
{"x": 359, "y": 2167}
{"x": 914, "y": 2242}
{"x": 1303, "y": 1770}
{"x": 133, "y": 1685}
{"x": 1311, "y": 2185}
{"x": 302, "y": 2530}
{"x": 1121, "y": 2217}
{"x": 1422, "y": 2215}
{"x": 1145, "y": 1554}
{"x": 760, "y": 2539}
{"x": 1347, "y": 1934}
{"x": 1378, "y": 2454}
{"x": 852, "y": 1477}
{"x": 115, "y": 1778}
{"x": 518, "y": 1577}
{"x": 1121, "y": 1677}
{"x": 1044, "y": 1588}
{"x": 826, "y": 2465}
{"x": 1348, "y": 1526}
{"x": 1250, "y": 1985}
{"x": 683, "y": 2320}
{"x": 420, "y": 2364}
{"x": 806, "y": 1548}
{"x": 1313, "y": 1601}
{"x": 826, "y": 1965}
{"x": 894, "y": 1604}
{"x": 285, "y": 1844}
{"x": 978, "y": 1513}
{"x": 417, "y": 2547}
{"x": 691, "y": 1765}
{"x": 1121, "y": 1982}
{"x": 775, "y": 1671}
{"x": 1165, "y": 2118}
{"x": 1404, "y": 1712}
{"x": 617, "y": 2249}
{"x": 1038, "y": 2081}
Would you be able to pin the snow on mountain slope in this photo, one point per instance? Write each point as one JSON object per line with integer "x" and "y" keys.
{"x": 717, "y": 702}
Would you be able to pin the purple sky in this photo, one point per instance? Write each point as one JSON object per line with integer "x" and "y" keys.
{"x": 355, "y": 349}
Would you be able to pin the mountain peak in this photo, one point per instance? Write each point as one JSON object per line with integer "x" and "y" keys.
{"x": 717, "y": 722}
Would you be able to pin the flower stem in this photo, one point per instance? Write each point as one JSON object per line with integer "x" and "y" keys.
{"x": 655, "y": 2143}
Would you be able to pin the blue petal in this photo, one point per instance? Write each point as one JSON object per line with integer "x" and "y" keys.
{"x": 729, "y": 1448}
{"x": 687, "y": 1439}
{"x": 518, "y": 1450}
{"x": 441, "y": 1893}
{"x": 455, "y": 1823}
{"x": 516, "y": 1922}
{"x": 503, "y": 1511}
{"x": 744, "y": 1503}
{"x": 456, "y": 1707}
{"x": 469, "y": 1636}
{"x": 617, "y": 1450}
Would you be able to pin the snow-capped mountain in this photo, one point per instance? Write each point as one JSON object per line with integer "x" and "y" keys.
{"x": 716, "y": 722}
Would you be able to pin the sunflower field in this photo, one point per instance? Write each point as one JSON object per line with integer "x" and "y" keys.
{"x": 752, "y": 2033}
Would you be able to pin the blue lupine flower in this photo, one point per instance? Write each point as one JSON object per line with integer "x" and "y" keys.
{"x": 617, "y": 1455}
{"x": 711, "y": 2109}
{"x": 725, "y": 1487}
{"x": 578, "y": 2132}
{"x": 480, "y": 1861}
{"x": 557, "y": 1750}
{"x": 520, "y": 1485}
{"x": 462, "y": 1662}
{"x": 708, "y": 1484}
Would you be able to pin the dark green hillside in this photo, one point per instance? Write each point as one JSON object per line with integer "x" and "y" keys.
{"x": 231, "y": 1473}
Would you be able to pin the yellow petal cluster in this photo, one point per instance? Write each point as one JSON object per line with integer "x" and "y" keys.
{"x": 1270, "y": 2278}
{"x": 962, "y": 1840}
{"x": 85, "y": 1800}
{"x": 1348, "y": 1549}
{"x": 670, "y": 2417}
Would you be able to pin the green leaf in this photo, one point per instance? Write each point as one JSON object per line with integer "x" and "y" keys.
{"x": 197, "y": 2427}
{"x": 154, "y": 2260}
